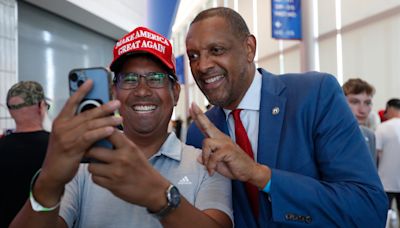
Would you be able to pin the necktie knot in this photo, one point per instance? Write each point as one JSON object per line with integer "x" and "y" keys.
{"x": 236, "y": 114}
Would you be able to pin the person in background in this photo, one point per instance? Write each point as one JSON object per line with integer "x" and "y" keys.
{"x": 149, "y": 178}
{"x": 299, "y": 157}
{"x": 359, "y": 94}
{"x": 373, "y": 121}
{"x": 388, "y": 147}
{"x": 381, "y": 114}
{"x": 22, "y": 151}
{"x": 176, "y": 127}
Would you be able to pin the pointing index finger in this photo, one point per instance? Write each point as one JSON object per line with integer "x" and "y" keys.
{"x": 203, "y": 123}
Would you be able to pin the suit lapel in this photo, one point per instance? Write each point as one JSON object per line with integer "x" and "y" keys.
{"x": 217, "y": 116}
{"x": 272, "y": 110}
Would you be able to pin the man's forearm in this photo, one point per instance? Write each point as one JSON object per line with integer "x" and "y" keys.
{"x": 29, "y": 218}
{"x": 46, "y": 195}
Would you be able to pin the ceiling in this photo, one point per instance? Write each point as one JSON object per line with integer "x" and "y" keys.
{"x": 116, "y": 18}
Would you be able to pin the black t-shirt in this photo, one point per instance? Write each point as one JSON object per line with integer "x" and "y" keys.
{"x": 21, "y": 155}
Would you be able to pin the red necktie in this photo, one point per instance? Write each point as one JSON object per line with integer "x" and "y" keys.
{"x": 243, "y": 141}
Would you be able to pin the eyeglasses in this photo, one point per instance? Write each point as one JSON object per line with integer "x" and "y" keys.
{"x": 131, "y": 80}
{"x": 47, "y": 105}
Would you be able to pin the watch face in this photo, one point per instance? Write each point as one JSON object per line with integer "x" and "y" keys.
{"x": 174, "y": 197}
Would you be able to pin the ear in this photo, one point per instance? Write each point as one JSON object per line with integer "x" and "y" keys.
{"x": 251, "y": 46}
{"x": 176, "y": 90}
{"x": 42, "y": 109}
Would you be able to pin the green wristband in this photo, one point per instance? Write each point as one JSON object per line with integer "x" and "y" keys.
{"x": 35, "y": 205}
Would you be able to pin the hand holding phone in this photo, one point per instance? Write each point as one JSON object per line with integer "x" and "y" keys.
{"x": 97, "y": 96}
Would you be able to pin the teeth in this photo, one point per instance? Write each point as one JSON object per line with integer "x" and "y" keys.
{"x": 144, "y": 108}
{"x": 214, "y": 79}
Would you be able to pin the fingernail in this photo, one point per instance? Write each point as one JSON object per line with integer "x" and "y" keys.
{"x": 117, "y": 119}
{"x": 114, "y": 104}
{"x": 109, "y": 130}
{"x": 194, "y": 106}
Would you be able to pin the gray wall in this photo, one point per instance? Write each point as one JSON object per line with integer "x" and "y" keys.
{"x": 50, "y": 46}
{"x": 8, "y": 57}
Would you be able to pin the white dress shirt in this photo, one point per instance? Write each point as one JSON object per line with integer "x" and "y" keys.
{"x": 250, "y": 113}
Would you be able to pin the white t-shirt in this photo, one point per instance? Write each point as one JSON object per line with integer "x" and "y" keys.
{"x": 388, "y": 140}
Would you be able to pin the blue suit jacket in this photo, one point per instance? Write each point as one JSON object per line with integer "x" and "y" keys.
{"x": 322, "y": 173}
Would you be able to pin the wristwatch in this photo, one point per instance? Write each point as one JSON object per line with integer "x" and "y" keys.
{"x": 173, "y": 200}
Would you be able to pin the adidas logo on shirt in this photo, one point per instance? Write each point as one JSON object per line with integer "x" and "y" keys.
{"x": 184, "y": 180}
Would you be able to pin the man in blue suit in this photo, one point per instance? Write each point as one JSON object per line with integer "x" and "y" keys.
{"x": 311, "y": 167}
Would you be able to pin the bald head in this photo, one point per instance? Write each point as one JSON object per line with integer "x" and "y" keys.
{"x": 27, "y": 118}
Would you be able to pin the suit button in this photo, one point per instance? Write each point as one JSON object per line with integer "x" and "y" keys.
{"x": 289, "y": 216}
{"x": 308, "y": 219}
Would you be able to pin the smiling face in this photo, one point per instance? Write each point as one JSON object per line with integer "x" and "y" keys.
{"x": 221, "y": 62}
{"x": 146, "y": 111}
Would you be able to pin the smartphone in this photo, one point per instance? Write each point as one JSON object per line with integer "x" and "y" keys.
{"x": 98, "y": 95}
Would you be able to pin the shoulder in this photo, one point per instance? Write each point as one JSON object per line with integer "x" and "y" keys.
{"x": 312, "y": 80}
{"x": 311, "y": 87}
{"x": 389, "y": 124}
{"x": 3, "y": 139}
{"x": 189, "y": 156}
{"x": 383, "y": 126}
{"x": 9, "y": 139}
{"x": 367, "y": 132}
{"x": 190, "y": 165}
{"x": 300, "y": 85}
{"x": 307, "y": 77}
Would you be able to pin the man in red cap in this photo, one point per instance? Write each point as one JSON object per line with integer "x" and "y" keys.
{"x": 149, "y": 178}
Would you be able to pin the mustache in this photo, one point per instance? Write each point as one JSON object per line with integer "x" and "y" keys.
{"x": 212, "y": 72}
{"x": 137, "y": 100}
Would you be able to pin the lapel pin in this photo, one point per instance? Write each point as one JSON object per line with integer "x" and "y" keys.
{"x": 275, "y": 111}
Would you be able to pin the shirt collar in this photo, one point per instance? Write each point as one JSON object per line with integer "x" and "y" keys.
{"x": 251, "y": 100}
{"x": 172, "y": 148}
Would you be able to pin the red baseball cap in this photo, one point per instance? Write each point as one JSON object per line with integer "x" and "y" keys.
{"x": 143, "y": 40}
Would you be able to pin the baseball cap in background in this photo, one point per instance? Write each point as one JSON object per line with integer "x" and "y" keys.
{"x": 31, "y": 92}
{"x": 143, "y": 40}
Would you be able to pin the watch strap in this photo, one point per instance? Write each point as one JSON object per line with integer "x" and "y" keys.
{"x": 170, "y": 205}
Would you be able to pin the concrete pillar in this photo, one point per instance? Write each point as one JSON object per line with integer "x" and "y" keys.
{"x": 309, "y": 51}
